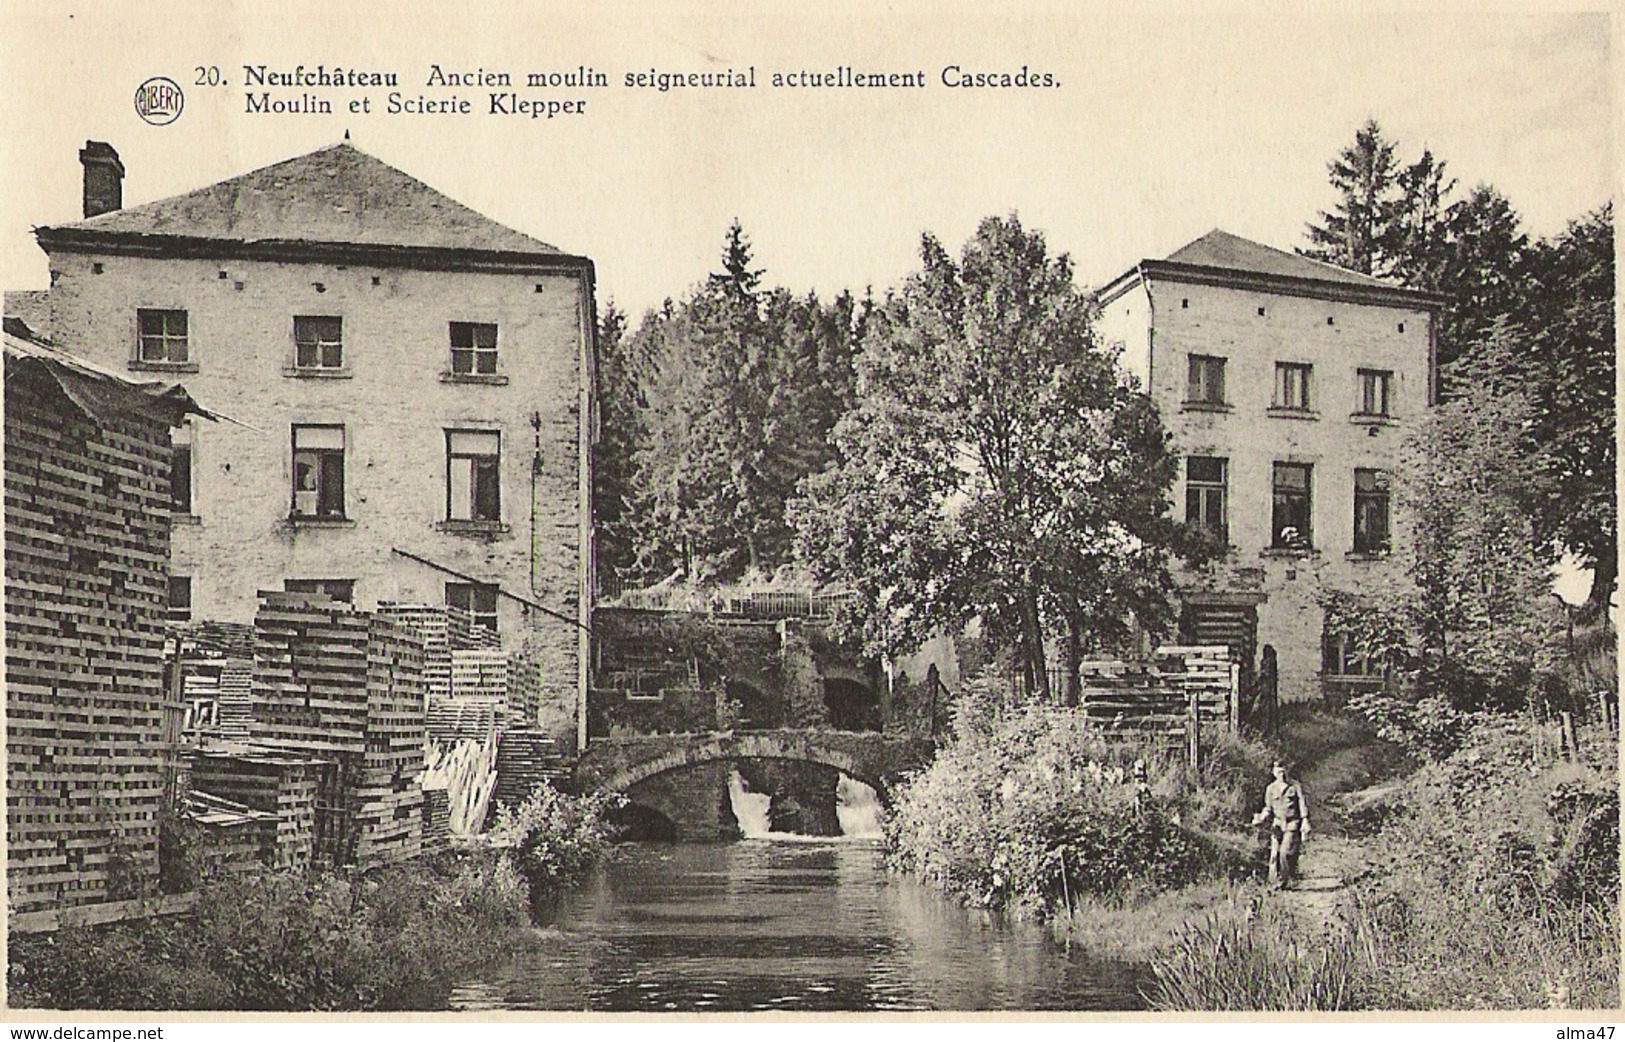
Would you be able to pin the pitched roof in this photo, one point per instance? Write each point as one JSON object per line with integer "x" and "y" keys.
{"x": 1224, "y": 259}
{"x": 334, "y": 195}
{"x": 1220, "y": 249}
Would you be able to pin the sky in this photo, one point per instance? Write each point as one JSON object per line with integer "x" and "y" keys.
{"x": 1163, "y": 125}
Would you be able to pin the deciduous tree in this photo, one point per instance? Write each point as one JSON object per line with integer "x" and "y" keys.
{"x": 998, "y": 465}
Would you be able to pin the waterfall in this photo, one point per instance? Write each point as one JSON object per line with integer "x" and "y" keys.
{"x": 750, "y": 808}
{"x": 858, "y": 809}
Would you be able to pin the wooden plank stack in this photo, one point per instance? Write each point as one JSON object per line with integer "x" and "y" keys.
{"x": 525, "y": 759}
{"x": 86, "y": 559}
{"x": 348, "y": 686}
{"x": 444, "y": 630}
{"x": 389, "y": 792}
{"x": 284, "y": 785}
{"x": 1154, "y": 699}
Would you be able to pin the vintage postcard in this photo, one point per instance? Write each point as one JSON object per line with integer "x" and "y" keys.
{"x": 810, "y": 510}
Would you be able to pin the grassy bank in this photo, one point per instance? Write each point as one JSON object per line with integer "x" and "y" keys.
{"x": 397, "y": 938}
{"x": 1490, "y": 882}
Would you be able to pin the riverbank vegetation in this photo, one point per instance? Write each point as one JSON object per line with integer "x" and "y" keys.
{"x": 1490, "y": 882}
{"x": 1028, "y": 808}
{"x": 395, "y": 938}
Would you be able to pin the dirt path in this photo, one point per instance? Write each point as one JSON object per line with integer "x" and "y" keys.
{"x": 1334, "y": 763}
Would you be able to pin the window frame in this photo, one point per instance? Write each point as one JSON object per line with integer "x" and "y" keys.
{"x": 1201, "y": 492}
{"x": 1368, "y": 379}
{"x": 1282, "y": 396}
{"x": 325, "y": 461}
{"x": 181, "y": 491}
{"x": 1278, "y": 491}
{"x": 1204, "y": 380}
{"x": 178, "y": 610}
{"x": 481, "y": 358}
{"x": 164, "y": 337}
{"x": 468, "y": 591}
{"x": 313, "y": 325}
{"x": 484, "y": 473}
{"x": 1381, "y": 493}
{"x": 1341, "y": 659}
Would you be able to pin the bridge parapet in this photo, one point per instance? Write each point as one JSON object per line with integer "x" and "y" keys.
{"x": 876, "y": 759}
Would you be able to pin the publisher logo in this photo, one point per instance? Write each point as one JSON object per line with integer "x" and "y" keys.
{"x": 159, "y": 101}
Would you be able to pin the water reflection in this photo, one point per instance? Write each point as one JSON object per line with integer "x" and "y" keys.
{"x": 755, "y": 925}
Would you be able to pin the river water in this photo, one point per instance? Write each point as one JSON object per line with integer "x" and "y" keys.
{"x": 784, "y": 923}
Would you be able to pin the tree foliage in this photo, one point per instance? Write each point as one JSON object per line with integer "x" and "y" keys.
{"x": 737, "y": 389}
{"x": 998, "y": 464}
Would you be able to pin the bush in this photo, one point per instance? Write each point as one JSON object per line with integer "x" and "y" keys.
{"x": 1499, "y": 882}
{"x": 555, "y": 839}
{"x": 1030, "y": 807}
{"x": 396, "y": 939}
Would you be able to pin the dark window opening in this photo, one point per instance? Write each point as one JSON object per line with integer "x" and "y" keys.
{"x": 180, "y": 598}
{"x": 473, "y": 348}
{"x": 162, "y": 335}
{"x": 478, "y": 599}
{"x": 1376, "y": 387}
{"x": 1370, "y": 511}
{"x": 318, "y": 342}
{"x": 333, "y": 589}
{"x": 473, "y": 476}
{"x": 180, "y": 479}
{"x": 1206, "y": 385}
{"x": 1290, "y": 522}
{"x": 1292, "y": 385}
{"x": 318, "y": 471}
{"x": 1205, "y": 495}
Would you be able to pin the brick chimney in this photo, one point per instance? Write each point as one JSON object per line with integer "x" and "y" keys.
{"x": 104, "y": 178}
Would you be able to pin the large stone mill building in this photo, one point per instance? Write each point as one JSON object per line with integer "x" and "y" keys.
{"x": 409, "y": 385}
{"x": 1289, "y": 386}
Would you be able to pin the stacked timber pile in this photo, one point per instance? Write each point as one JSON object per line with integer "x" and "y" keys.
{"x": 236, "y": 837}
{"x": 86, "y": 551}
{"x": 436, "y": 821}
{"x": 479, "y": 673}
{"x": 452, "y": 722}
{"x": 1206, "y": 671}
{"x": 1153, "y": 698}
{"x": 525, "y": 759}
{"x": 216, "y": 665}
{"x": 344, "y": 685}
{"x": 389, "y": 790}
{"x": 465, "y": 770}
{"x": 286, "y": 786}
{"x": 444, "y": 630}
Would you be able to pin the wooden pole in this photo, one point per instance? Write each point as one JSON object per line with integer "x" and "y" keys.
{"x": 1235, "y": 698}
{"x": 1571, "y": 743}
{"x": 1193, "y": 730}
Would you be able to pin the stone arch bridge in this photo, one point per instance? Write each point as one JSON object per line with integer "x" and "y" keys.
{"x": 652, "y": 768}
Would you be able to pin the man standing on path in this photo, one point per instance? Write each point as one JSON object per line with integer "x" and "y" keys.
{"x": 1288, "y": 814}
